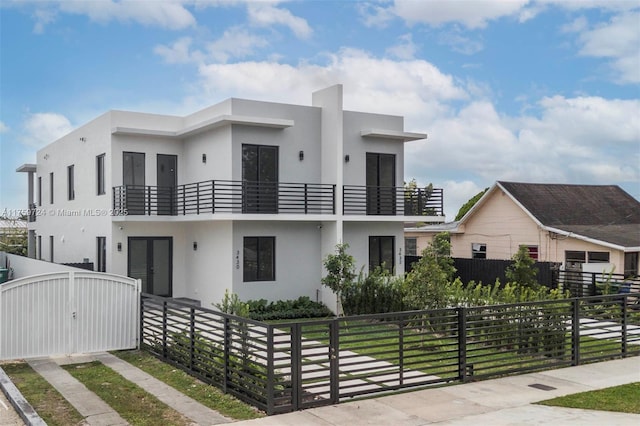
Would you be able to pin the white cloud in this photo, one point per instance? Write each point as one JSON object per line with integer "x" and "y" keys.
{"x": 471, "y": 14}
{"x": 460, "y": 43}
{"x": 373, "y": 15}
{"x": 619, "y": 40}
{"x": 43, "y": 128}
{"x": 43, "y": 17}
{"x": 405, "y": 49}
{"x": 267, "y": 14}
{"x": 236, "y": 42}
{"x": 179, "y": 52}
{"x": 3, "y": 127}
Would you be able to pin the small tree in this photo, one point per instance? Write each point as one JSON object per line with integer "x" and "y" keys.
{"x": 340, "y": 272}
{"x": 521, "y": 271}
{"x": 426, "y": 285}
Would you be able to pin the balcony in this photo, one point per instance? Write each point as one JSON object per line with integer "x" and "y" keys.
{"x": 392, "y": 201}
{"x": 220, "y": 196}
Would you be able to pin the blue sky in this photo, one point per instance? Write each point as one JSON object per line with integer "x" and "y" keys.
{"x": 522, "y": 90}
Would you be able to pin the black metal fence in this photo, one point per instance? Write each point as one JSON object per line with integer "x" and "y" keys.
{"x": 488, "y": 270}
{"x": 392, "y": 201}
{"x": 221, "y": 196}
{"x": 294, "y": 365}
{"x": 580, "y": 284}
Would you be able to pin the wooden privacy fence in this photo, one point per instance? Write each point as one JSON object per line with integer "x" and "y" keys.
{"x": 68, "y": 312}
{"x": 280, "y": 367}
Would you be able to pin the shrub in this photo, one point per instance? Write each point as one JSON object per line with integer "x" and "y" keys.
{"x": 377, "y": 292}
{"x": 303, "y": 307}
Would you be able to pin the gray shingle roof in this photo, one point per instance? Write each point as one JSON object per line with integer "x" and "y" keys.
{"x": 602, "y": 212}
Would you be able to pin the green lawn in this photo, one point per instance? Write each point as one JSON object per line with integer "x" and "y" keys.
{"x": 44, "y": 398}
{"x": 207, "y": 395}
{"x": 623, "y": 399}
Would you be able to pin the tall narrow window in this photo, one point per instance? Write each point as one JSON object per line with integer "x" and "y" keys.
{"x": 51, "y": 188}
{"x": 39, "y": 190}
{"x": 101, "y": 254}
{"x": 411, "y": 246}
{"x": 50, "y": 248}
{"x": 100, "y": 174}
{"x": 259, "y": 259}
{"x": 71, "y": 193}
{"x": 381, "y": 253}
{"x": 40, "y": 247}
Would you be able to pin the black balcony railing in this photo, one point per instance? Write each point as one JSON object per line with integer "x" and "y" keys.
{"x": 380, "y": 200}
{"x": 222, "y": 196}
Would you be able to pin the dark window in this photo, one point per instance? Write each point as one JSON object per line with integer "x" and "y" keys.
{"x": 100, "y": 174}
{"x": 598, "y": 257}
{"x": 51, "y": 248}
{"x": 51, "y": 188}
{"x": 533, "y": 252}
{"x": 259, "y": 179}
{"x": 40, "y": 247}
{"x": 39, "y": 190}
{"x": 573, "y": 258}
{"x": 381, "y": 182}
{"x": 478, "y": 251}
{"x": 381, "y": 253}
{"x": 133, "y": 178}
{"x": 631, "y": 264}
{"x": 71, "y": 193}
{"x": 411, "y": 246}
{"x": 101, "y": 254}
{"x": 259, "y": 259}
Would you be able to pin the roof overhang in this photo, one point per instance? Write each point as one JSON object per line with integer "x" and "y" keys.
{"x": 589, "y": 239}
{"x": 27, "y": 168}
{"x": 220, "y": 121}
{"x": 392, "y": 134}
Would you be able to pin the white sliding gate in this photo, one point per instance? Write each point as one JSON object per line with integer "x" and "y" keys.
{"x": 68, "y": 312}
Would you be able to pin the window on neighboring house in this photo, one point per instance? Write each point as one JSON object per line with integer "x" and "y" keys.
{"x": 40, "y": 247}
{"x": 101, "y": 254}
{"x": 100, "y": 174}
{"x": 51, "y": 188}
{"x": 39, "y": 190}
{"x": 598, "y": 257}
{"x": 533, "y": 252}
{"x": 573, "y": 258}
{"x": 411, "y": 246}
{"x": 381, "y": 252}
{"x": 71, "y": 193}
{"x": 259, "y": 259}
{"x": 478, "y": 251}
{"x": 631, "y": 264}
{"x": 50, "y": 248}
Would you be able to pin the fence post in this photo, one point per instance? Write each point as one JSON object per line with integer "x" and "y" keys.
{"x": 192, "y": 333}
{"x": 227, "y": 348}
{"x": 296, "y": 366}
{"x": 624, "y": 326}
{"x": 575, "y": 332}
{"x": 462, "y": 344}
{"x": 164, "y": 329}
{"x": 334, "y": 360}
{"x": 401, "y": 351}
{"x": 270, "y": 372}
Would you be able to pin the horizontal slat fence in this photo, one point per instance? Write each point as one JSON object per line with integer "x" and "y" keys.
{"x": 280, "y": 367}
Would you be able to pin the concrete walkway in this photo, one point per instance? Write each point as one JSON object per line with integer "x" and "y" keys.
{"x": 504, "y": 401}
{"x": 97, "y": 412}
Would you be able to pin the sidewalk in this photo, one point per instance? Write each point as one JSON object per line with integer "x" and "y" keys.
{"x": 504, "y": 401}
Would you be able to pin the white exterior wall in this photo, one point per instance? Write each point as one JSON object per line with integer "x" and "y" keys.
{"x": 357, "y": 234}
{"x": 74, "y": 224}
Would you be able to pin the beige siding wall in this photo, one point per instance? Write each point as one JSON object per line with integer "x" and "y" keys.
{"x": 503, "y": 226}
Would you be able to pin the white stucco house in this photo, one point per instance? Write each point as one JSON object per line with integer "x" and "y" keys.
{"x": 589, "y": 228}
{"x": 244, "y": 195}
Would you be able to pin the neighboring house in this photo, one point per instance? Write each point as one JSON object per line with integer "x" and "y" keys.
{"x": 576, "y": 225}
{"x": 13, "y": 235}
{"x": 245, "y": 195}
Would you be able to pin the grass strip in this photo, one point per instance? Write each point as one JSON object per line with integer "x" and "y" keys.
{"x": 205, "y": 394}
{"x": 623, "y": 399}
{"x": 133, "y": 403}
{"x": 43, "y": 397}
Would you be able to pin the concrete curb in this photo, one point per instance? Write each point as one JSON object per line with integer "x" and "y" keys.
{"x": 19, "y": 403}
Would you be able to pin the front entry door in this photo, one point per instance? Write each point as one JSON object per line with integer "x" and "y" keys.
{"x": 167, "y": 180}
{"x": 150, "y": 260}
{"x": 381, "y": 182}
{"x": 259, "y": 179}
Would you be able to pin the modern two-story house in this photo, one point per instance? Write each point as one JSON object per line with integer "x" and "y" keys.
{"x": 244, "y": 195}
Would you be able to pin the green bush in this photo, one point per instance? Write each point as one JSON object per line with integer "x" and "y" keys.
{"x": 377, "y": 292}
{"x": 303, "y": 307}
